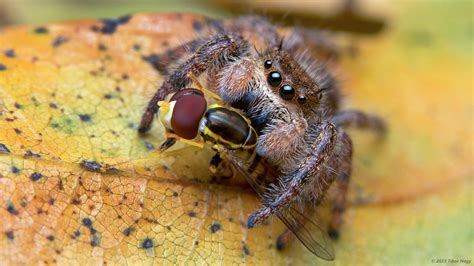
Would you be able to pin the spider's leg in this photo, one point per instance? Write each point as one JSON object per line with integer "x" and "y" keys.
{"x": 163, "y": 61}
{"x": 358, "y": 119}
{"x": 341, "y": 163}
{"x": 260, "y": 26}
{"x": 300, "y": 39}
{"x": 214, "y": 53}
{"x": 344, "y": 168}
{"x": 321, "y": 150}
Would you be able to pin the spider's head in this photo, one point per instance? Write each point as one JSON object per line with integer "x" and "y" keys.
{"x": 288, "y": 88}
{"x": 289, "y": 80}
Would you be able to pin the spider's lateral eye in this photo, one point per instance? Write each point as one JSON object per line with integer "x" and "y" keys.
{"x": 287, "y": 92}
{"x": 268, "y": 64}
{"x": 274, "y": 78}
{"x": 301, "y": 99}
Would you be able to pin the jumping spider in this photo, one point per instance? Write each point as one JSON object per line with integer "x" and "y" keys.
{"x": 292, "y": 100}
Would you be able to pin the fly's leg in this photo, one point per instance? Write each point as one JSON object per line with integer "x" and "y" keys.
{"x": 214, "y": 53}
{"x": 358, "y": 119}
{"x": 220, "y": 168}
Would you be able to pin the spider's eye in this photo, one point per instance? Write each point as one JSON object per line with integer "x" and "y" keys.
{"x": 274, "y": 78}
{"x": 301, "y": 99}
{"x": 287, "y": 92}
{"x": 268, "y": 64}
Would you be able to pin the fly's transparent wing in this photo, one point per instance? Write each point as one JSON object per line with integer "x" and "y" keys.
{"x": 310, "y": 232}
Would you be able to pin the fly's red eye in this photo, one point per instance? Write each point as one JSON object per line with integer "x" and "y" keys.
{"x": 187, "y": 112}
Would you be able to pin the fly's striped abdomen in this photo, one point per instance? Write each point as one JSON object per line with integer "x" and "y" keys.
{"x": 258, "y": 168}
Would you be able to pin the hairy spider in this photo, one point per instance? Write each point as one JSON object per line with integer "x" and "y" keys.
{"x": 292, "y": 100}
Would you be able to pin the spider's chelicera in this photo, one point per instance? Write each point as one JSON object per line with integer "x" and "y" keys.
{"x": 292, "y": 101}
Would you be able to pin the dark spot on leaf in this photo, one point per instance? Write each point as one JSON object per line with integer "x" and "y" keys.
{"x": 102, "y": 47}
{"x": 58, "y": 41}
{"x": 23, "y": 202}
{"x": 17, "y": 131}
{"x": 245, "y": 249}
{"x": 75, "y": 201}
{"x": 92, "y": 230}
{"x": 11, "y": 209}
{"x": 95, "y": 240}
{"x": 196, "y": 242}
{"x": 77, "y": 233}
{"x": 175, "y": 194}
{"x": 9, "y": 53}
{"x": 127, "y": 231}
{"x": 137, "y": 47}
{"x": 125, "y": 76}
{"x": 4, "y": 149}
{"x": 41, "y": 30}
{"x": 149, "y": 146}
{"x": 17, "y": 105}
{"x": 154, "y": 60}
{"x": 50, "y": 238}
{"x": 216, "y": 24}
{"x": 2, "y": 67}
{"x": 35, "y": 176}
{"x": 91, "y": 166}
{"x": 85, "y": 117}
{"x": 197, "y": 25}
{"x": 108, "y": 96}
{"x": 10, "y": 235}
{"x": 87, "y": 222}
{"x": 15, "y": 170}
{"x": 31, "y": 154}
{"x": 109, "y": 26}
{"x": 51, "y": 201}
{"x": 192, "y": 214}
{"x": 53, "y": 105}
{"x": 215, "y": 227}
{"x": 147, "y": 243}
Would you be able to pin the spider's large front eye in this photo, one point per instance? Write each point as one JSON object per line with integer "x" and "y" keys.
{"x": 287, "y": 92}
{"x": 274, "y": 78}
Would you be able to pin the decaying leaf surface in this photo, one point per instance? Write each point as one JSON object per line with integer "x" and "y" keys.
{"x": 74, "y": 187}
